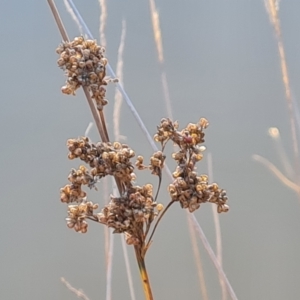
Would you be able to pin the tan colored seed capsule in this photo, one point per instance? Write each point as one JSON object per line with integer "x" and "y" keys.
{"x": 117, "y": 145}
{"x": 225, "y": 208}
{"x": 198, "y": 156}
{"x": 71, "y": 156}
{"x": 67, "y": 90}
{"x": 61, "y": 62}
{"x": 140, "y": 159}
{"x": 203, "y": 123}
{"x": 81, "y": 64}
{"x": 74, "y": 67}
{"x": 172, "y": 189}
{"x": 104, "y": 61}
{"x": 78, "y": 40}
{"x": 89, "y": 63}
{"x": 82, "y": 194}
{"x": 191, "y": 127}
{"x": 156, "y": 138}
{"x": 73, "y": 208}
{"x": 159, "y": 207}
{"x": 78, "y": 151}
{"x": 64, "y": 198}
{"x": 93, "y": 76}
{"x": 73, "y": 59}
{"x": 86, "y": 53}
{"x": 70, "y": 224}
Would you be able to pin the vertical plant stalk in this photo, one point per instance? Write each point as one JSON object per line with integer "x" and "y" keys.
{"x": 143, "y": 273}
{"x": 160, "y": 55}
{"x": 101, "y": 126}
{"x": 58, "y": 20}
{"x": 217, "y": 228}
{"x": 196, "y": 251}
{"x": 213, "y": 256}
{"x": 116, "y": 121}
{"x": 153, "y": 145}
{"x": 272, "y": 10}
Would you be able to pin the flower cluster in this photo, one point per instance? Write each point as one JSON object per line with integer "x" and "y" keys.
{"x": 104, "y": 158}
{"x": 84, "y": 63}
{"x": 73, "y": 192}
{"x": 189, "y": 188}
{"x": 156, "y": 163}
{"x": 193, "y": 190}
{"x": 127, "y": 213}
{"x": 78, "y": 213}
{"x": 132, "y": 213}
{"x": 134, "y": 210}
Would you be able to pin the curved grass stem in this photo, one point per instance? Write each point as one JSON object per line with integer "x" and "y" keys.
{"x": 158, "y": 220}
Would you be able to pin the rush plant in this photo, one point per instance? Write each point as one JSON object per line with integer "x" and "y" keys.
{"x": 135, "y": 211}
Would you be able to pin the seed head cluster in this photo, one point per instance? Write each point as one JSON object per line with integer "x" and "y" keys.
{"x": 134, "y": 210}
{"x": 189, "y": 188}
{"x": 104, "y": 158}
{"x": 132, "y": 213}
{"x": 84, "y": 64}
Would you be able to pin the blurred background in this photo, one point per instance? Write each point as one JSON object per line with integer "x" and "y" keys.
{"x": 221, "y": 62}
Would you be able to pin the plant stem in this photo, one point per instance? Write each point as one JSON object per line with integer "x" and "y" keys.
{"x": 143, "y": 273}
{"x": 158, "y": 220}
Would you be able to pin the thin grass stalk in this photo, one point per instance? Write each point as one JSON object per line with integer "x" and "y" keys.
{"x": 78, "y": 293}
{"x": 104, "y": 136}
{"x": 217, "y": 228}
{"x": 160, "y": 55}
{"x": 154, "y": 147}
{"x": 283, "y": 157}
{"x": 70, "y": 11}
{"x": 58, "y": 20}
{"x": 292, "y": 185}
{"x": 96, "y": 117}
{"x": 109, "y": 267}
{"x": 272, "y": 10}
{"x": 197, "y": 256}
{"x": 119, "y": 73}
{"x": 116, "y": 122}
{"x": 213, "y": 256}
{"x": 103, "y": 17}
{"x": 128, "y": 269}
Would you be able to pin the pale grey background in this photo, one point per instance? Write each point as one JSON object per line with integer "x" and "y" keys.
{"x": 221, "y": 60}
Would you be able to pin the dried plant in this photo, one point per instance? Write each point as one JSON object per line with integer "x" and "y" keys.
{"x": 135, "y": 212}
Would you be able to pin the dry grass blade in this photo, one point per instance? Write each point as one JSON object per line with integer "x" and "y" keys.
{"x": 217, "y": 228}
{"x": 58, "y": 20}
{"x": 213, "y": 256}
{"x": 116, "y": 119}
{"x": 160, "y": 55}
{"x": 78, "y": 293}
{"x": 196, "y": 252}
{"x": 277, "y": 173}
{"x": 128, "y": 269}
{"x": 103, "y": 17}
{"x": 118, "y": 95}
{"x": 275, "y": 135}
{"x": 272, "y": 8}
{"x": 70, "y": 11}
